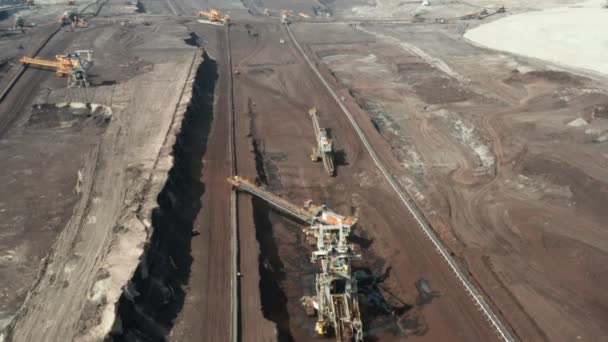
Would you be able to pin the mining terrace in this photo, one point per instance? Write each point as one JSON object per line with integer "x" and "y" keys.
{"x": 149, "y": 150}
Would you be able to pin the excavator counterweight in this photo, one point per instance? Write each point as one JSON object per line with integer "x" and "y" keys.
{"x": 215, "y": 16}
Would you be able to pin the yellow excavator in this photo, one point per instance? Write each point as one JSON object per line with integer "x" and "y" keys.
{"x": 284, "y": 14}
{"x": 74, "y": 65}
{"x": 214, "y": 15}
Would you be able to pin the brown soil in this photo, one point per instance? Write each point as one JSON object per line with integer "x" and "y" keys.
{"x": 271, "y": 109}
{"x": 524, "y": 213}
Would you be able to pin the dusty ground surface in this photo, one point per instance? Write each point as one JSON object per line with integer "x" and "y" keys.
{"x": 119, "y": 218}
{"x": 273, "y": 92}
{"x": 507, "y": 159}
{"x": 87, "y": 174}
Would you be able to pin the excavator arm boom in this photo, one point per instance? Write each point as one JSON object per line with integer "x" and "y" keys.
{"x": 41, "y": 62}
{"x": 274, "y": 200}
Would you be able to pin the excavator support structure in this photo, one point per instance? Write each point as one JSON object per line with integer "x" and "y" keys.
{"x": 324, "y": 149}
{"x": 336, "y": 301}
{"x": 74, "y": 64}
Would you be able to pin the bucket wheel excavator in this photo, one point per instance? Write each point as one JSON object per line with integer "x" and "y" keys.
{"x": 215, "y": 16}
{"x": 73, "y": 65}
{"x": 336, "y": 301}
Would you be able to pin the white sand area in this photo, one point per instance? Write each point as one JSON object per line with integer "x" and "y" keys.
{"x": 574, "y": 36}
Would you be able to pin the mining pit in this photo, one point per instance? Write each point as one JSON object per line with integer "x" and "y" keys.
{"x": 117, "y": 222}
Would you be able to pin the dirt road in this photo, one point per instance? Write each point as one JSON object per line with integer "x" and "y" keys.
{"x": 206, "y": 314}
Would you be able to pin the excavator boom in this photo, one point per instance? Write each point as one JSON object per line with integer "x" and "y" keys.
{"x": 58, "y": 65}
{"x": 214, "y": 15}
{"x": 276, "y": 201}
{"x": 75, "y": 64}
{"x": 310, "y": 213}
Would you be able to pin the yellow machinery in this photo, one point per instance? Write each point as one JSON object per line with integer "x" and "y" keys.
{"x": 336, "y": 301}
{"x": 309, "y": 213}
{"x": 73, "y": 64}
{"x": 324, "y": 149}
{"x": 215, "y": 15}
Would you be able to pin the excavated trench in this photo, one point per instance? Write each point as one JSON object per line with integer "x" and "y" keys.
{"x": 155, "y": 294}
{"x": 272, "y": 272}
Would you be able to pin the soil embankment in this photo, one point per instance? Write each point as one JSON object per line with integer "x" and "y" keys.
{"x": 156, "y": 293}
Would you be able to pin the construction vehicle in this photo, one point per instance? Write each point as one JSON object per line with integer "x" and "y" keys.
{"x": 215, "y": 16}
{"x": 484, "y": 13}
{"x": 278, "y": 13}
{"x": 336, "y": 302}
{"x": 325, "y": 146}
{"x": 309, "y": 213}
{"x": 284, "y": 14}
{"x": 72, "y": 18}
{"x": 75, "y": 65}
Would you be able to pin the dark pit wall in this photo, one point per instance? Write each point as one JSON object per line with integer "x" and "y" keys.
{"x": 272, "y": 272}
{"x": 157, "y": 286}
{"x": 271, "y": 268}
